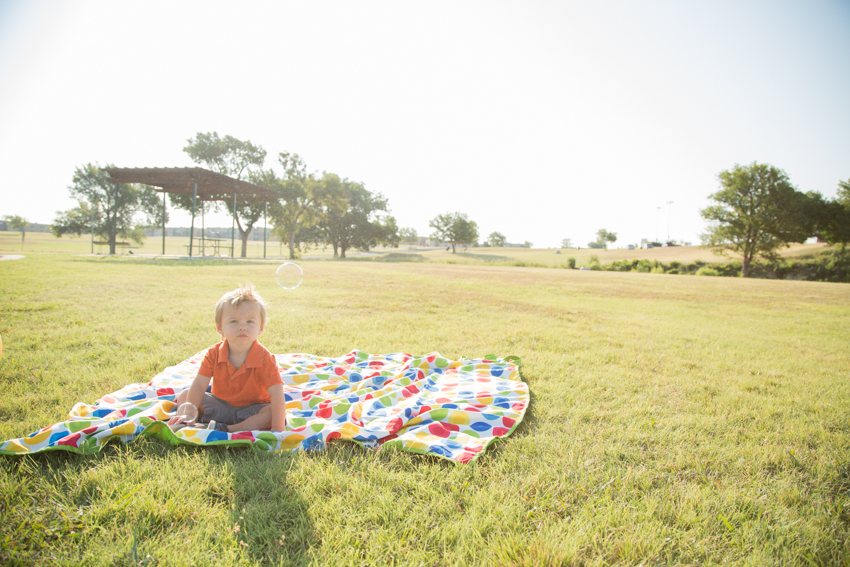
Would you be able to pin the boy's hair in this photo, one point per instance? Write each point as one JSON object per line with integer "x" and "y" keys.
{"x": 242, "y": 293}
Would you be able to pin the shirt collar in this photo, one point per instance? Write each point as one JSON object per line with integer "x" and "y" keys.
{"x": 253, "y": 360}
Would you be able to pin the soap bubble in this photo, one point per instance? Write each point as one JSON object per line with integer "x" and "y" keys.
{"x": 188, "y": 411}
{"x": 289, "y": 275}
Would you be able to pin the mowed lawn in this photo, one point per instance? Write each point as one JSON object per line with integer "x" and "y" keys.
{"x": 674, "y": 419}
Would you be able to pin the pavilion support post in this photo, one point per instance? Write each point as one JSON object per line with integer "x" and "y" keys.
{"x": 265, "y": 226}
{"x": 92, "y": 228}
{"x": 164, "y": 195}
{"x": 192, "y": 228}
{"x": 233, "y": 227}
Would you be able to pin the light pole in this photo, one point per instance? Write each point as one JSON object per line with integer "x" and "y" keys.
{"x": 668, "y": 219}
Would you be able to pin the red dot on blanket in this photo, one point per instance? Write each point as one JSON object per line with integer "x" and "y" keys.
{"x": 394, "y": 425}
{"x": 500, "y": 431}
{"x": 439, "y": 430}
{"x": 70, "y": 441}
{"x": 464, "y": 457}
{"x": 508, "y": 422}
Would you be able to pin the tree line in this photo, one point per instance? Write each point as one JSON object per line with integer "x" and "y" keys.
{"x": 757, "y": 211}
{"x": 323, "y": 209}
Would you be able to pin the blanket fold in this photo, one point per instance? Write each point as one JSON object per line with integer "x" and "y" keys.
{"x": 424, "y": 404}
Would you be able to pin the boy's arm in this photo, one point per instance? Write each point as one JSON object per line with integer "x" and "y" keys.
{"x": 278, "y": 407}
{"x": 197, "y": 389}
{"x": 195, "y": 396}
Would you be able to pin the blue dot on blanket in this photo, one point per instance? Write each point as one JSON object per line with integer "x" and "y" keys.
{"x": 440, "y": 451}
{"x": 57, "y": 436}
{"x": 216, "y": 436}
{"x": 481, "y": 426}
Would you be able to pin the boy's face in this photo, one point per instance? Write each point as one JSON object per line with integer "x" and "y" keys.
{"x": 241, "y": 325}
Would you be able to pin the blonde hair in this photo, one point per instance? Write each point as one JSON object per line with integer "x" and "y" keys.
{"x": 239, "y": 295}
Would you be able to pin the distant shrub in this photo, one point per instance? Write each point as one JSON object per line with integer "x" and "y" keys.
{"x": 571, "y": 263}
{"x": 706, "y": 271}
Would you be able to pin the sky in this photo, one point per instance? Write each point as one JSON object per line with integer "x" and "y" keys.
{"x": 542, "y": 120}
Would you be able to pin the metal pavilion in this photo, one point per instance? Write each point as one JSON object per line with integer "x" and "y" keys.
{"x": 203, "y": 185}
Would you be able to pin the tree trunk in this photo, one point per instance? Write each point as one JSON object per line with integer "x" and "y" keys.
{"x": 245, "y": 234}
{"x": 336, "y": 250}
{"x": 453, "y": 247}
{"x": 292, "y": 245}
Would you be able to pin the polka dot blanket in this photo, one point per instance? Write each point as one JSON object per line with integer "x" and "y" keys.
{"x": 423, "y": 404}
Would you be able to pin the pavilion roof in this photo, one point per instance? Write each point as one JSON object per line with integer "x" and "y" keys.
{"x": 212, "y": 186}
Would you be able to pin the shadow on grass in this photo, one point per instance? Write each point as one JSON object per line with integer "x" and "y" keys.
{"x": 391, "y": 257}
{"x": 156, "y": 500}
{"x": 484, "y": 257}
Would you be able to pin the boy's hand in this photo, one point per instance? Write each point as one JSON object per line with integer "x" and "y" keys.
{"x": 180, "y": 419}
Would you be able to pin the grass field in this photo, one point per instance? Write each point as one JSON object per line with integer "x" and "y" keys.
{"x": 674, "y": 419}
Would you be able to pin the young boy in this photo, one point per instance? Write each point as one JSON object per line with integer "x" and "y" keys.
{"x": 247, "y": 392}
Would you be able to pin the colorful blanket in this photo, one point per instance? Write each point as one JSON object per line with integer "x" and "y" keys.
{"x": 424, "y": 404}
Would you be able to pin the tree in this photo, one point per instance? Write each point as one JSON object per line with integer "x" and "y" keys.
{"x": 757, "y": 212}
{"x": 567, "y": 243}
{"x": 497, "y": 239}
{"x": 603, "y": 237}
{"x": 235, "y": 158}
{"x": 359, "y": 225}
{"x": 829, "y": 220}
{"x": 455, "y": 228}
{"x": 304, "y": 200}
{"x": 17, "y": 222}
{"x": 113, "y": 207}
{"x": 527, "y": 244}
{"x": 408, "y": 235}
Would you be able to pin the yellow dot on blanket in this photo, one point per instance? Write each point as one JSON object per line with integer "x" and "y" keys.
{"x": 301, "y": 378}
{"x": 291, "y": 441}
{"x": 414, "y": 421}
{"x": 348, "y": 431}
{"x": 16, "y": 447}
{"x": 37, "y": 438}
{"x": 124, "y": 429}
{"x": 486, "y": 400}
{"x": 160, "y": 412}
{"x": 410, "y": 444}
{"x": 459, "y": 418}
{"x": 188, "y": 432}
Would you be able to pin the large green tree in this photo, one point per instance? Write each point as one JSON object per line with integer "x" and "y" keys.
{"x": 360, "y": 224}
{"x": 116, "y": 209}
{"x": 603, "y": 237}
{"x": 829, "y": 219}
{"x": 239, "y": 159}
{"x": 454, "y": 228}
{"x": 304, "y": 198}
{"x": 757, "y": 211}
{"x": 497, "y": 239}
{"x": 17, "y": 222}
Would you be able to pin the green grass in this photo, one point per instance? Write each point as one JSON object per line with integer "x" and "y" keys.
{"x": 674, "y": 419}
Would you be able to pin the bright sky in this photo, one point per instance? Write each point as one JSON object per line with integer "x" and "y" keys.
{"x": 540, "y": 120}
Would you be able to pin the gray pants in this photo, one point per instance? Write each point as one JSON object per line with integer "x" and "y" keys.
{"x": 220, "y": 411}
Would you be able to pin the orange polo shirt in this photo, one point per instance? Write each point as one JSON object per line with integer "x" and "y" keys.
{"x": 247, "y": 385}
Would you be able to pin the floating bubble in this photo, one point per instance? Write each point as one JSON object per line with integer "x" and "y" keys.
{"x": 188, "y": 411}
{"x": 289, "y": 275}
